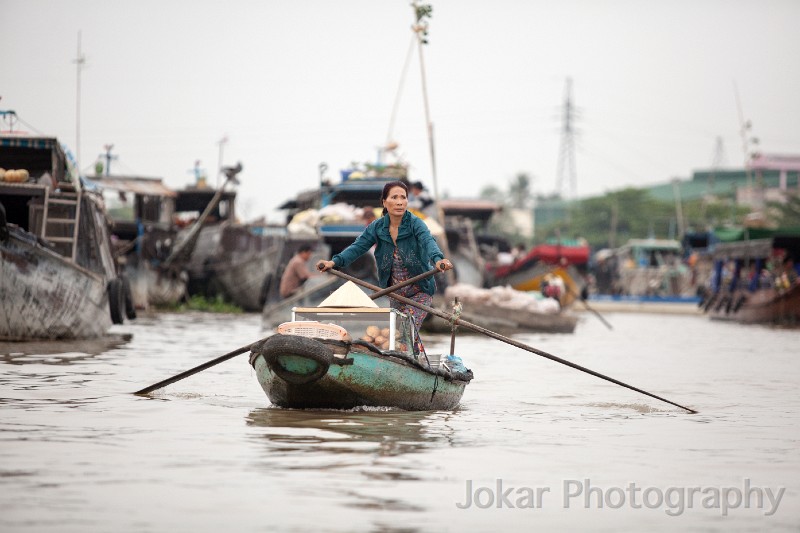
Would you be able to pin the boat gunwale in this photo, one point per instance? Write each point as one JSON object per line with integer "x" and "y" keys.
{"x": 42, "y": 248}
{"x": 396, "y": 357}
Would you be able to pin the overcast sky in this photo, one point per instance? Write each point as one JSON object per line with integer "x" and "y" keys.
{"x": 296, "y": 83}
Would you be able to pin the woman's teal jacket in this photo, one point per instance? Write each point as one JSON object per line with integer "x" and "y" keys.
{"x": 416, "y": 245}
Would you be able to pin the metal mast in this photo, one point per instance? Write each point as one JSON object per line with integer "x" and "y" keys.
{"x": 421, "y": 13}
{"x": 79, "y": 61}
{"x": 566, "y": 173}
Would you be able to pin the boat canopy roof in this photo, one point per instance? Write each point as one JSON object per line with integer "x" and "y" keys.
{"x": 758, "y": 248}
{"x": 653, "y": 244}
{"x": 474, "y": 209}
{"x": 743, "y": 249}
{"x": 136, "y": 185}
{"x": 740, "y": 234}
{"x": 364, "y": 192}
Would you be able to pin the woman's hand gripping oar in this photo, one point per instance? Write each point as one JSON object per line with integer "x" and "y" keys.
{"x": 243, "y": 349}
{"x": 512, "y": 342}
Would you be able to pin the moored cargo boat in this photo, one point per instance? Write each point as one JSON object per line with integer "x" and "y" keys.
{"x": 756, "y": 280}
{"x": 58, "y": 277}
{"x": 141, "y": 210}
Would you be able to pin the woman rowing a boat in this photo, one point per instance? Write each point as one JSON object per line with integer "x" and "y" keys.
{"x": 404, "y": 248}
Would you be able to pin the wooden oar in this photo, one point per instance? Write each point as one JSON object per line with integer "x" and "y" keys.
{"x": 409, "y": 281}
{"x": 380, "y": 292}
{"x": 588, "y": 308}
{"x": 455, "y": 320}
{"x": 195, "y": 370}
{"x": 570, "y": 290}
{"x": 577, "y": 297}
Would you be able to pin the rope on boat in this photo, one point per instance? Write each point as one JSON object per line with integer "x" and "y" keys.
{"x": 457, "y": 308}
{"x": 435, "y": 385}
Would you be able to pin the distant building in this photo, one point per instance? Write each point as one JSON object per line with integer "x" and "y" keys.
{"x": 772, "y": 174}
{"x": 767, "y": 179}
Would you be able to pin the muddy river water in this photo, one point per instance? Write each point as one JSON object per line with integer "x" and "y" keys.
{"x": 534, "y": 444}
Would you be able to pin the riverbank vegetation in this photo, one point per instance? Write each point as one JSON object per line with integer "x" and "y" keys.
{"x": 201, "y": 303}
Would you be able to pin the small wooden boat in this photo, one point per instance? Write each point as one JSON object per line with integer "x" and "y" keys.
{"x": 341, "y": 357}
{"x": 765, "y": 306}
{"x": 141, "y": 210}
{"x": 556, "y": 258}
{"x": 650, "y": 269}
{"x": 504, "y": 310}
{"x": 509, "y": 321}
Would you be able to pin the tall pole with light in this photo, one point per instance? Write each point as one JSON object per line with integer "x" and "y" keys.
{"x": 79, "y": 61}
{"x": 422, "y": 12}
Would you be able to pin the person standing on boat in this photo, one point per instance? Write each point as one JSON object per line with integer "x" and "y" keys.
{"x": 296, "y": 272}
{"x": 418, "y": 197}
{"x": 789, "y": 276}
{"x": 404, "y": 248}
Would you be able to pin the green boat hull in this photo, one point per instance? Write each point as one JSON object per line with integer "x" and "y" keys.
{"x": 366, "y": 379}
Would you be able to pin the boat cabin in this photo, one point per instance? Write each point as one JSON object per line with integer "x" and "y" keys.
{"x": 141, "y": 209}
{"x": 132, "y": 201}
{"x": 651, "y": 268}
{"x": 41, "y": 165}
{"x": 192, "y": 201}
{"x": 41, "y": 194}
{"x": 649, "y": 253}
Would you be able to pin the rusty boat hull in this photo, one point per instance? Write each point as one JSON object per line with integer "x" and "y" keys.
{"x": 46, "y": 296}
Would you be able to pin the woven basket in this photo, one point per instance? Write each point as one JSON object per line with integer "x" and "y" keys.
{"x": 315, "y": 330}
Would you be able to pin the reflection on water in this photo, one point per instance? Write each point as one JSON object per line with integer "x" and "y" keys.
{"x": 386, "y": 432}
{"x": 64, "y": 352}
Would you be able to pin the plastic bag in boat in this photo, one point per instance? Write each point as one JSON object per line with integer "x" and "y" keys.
{"x": 455, "y": 364}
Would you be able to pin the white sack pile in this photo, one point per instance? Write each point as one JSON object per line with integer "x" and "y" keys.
{"x": 503, "y": 297}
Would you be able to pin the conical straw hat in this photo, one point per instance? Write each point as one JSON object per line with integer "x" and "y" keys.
{"x": 348, "y": 295}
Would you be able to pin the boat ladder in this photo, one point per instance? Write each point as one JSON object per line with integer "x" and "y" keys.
{"x": 62, "y": 209}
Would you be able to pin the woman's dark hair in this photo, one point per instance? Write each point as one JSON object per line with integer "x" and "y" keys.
{"x": 388, "y": 187}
